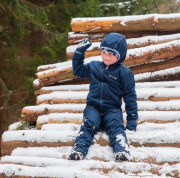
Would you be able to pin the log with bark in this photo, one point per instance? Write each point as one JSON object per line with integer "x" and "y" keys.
{"x": 169, "y": 74}
{"x": 94, "y": 50}
{"x": 85, "y": 87}
{"x": 135, "y": 56}
{"x": 42, "y": 113}
{"x": 156, "y": 66}
{"x": 138, "y": 23}
{"x": 58, "y": 97}
{"x": 40, "y": 138}
{"x": 75, "y": 38}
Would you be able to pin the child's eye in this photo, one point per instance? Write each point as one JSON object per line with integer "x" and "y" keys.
{"x": 110, "y": 53}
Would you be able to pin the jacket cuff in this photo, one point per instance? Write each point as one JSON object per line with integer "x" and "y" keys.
{"x": 79, "y": 52}
{"x": 131, "y": 125}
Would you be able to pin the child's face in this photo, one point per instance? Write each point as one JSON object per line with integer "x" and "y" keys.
{"x": 108, "y": 58}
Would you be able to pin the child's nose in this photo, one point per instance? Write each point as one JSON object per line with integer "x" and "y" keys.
{"x": 107, "y": 56}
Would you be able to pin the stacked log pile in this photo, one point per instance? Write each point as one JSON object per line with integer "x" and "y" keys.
{"x": 130, "y": 26}
{"x": 154, "y": 57}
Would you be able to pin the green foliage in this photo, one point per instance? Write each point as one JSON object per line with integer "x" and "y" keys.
{"x": 136, "y": 7}
{"x": 25, "y": 125}
{"x": 20, "y": 17}
{"x": 33, "y": 33}
{"x": 21, "y": 125}
{"x": 63, "y": 11}
{"x": 47, "y": 53}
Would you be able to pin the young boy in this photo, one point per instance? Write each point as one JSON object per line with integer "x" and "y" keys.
{"x": 110, "y": 81}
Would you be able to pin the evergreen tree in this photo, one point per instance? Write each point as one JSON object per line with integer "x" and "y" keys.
{"x": 33, "y": 33}
{"x": 135, "y": 7}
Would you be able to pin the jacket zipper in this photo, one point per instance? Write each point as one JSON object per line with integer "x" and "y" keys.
{"x": 102, "y": 87}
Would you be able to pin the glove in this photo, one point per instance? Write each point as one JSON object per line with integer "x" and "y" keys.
{"x": 84, "y": 45}
{"x": 131, "y": 126}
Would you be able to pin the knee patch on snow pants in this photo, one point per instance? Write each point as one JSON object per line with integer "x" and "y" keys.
{"x": 90, "y": 125}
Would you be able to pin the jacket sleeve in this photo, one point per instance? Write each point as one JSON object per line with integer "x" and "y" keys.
{"x": 130, "y": 97}
{"x": 80, "y": 69}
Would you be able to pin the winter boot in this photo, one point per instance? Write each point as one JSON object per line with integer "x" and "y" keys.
{"x": 122, "y": 156}
{"x": 76, "y": 156}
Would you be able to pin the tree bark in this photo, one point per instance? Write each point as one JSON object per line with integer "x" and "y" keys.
{"x": 75, "y": 38}
{"x": 139, "y": 23}
{"x": 156, "y": 66}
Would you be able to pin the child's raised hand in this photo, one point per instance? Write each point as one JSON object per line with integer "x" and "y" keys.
{"x": 84, "y": 45}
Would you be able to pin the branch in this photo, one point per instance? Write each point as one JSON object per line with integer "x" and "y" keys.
{"x": 4, "y": 90}
{"x": 5, "y": 103}
{"x": 14, "y": 104}
{"x": 3, "y": 86}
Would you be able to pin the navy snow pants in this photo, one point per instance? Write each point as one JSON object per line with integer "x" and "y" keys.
{"x": 112, "y": 121}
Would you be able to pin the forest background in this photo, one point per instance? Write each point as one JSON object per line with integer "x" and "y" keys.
{"x": 35, "y": 32}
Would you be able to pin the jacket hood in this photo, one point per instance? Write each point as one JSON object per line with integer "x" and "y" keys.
{"x": 116, "y": 44}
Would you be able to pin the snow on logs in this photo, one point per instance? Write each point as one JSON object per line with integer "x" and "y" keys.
{"x": 137, "y": 56}
{"x": 158, "y": 154}
{"x": 34, "y": 113}
{"x": 155, "y": 96}
{"x": 94, "y": 50}
{"x": 156, "y": 49}
{"x": 75, "y": 38}
{"x": 50, "y": 89}
{"x": 151, "y": 94}
{"x": 138, "y": 23}
{"x": 156, "y": 65}
{"x": 149, "y": 75}
{"x": 144, "y": 94}
{"x": 172, "y": 73}
{"x": 152, "y": 53}
{"x": 56, "y": 156}
{"x": 85, "y": 87}
{"x": 151, "y": 72}
{"x": 153, "y": 89}
{"x": 23, "y": 166}
{"x": 49, "y": 167}
{"x": 166, "y": 135}
{"x": 76, "y": 118}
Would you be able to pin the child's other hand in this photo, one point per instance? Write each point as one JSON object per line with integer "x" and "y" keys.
{"x": 130, "y": 132}
{"x": 131, "y": 127}
{"x": 84, "y": 45}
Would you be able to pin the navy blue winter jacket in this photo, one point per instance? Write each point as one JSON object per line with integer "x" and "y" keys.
{"x": 109, "y": 83}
